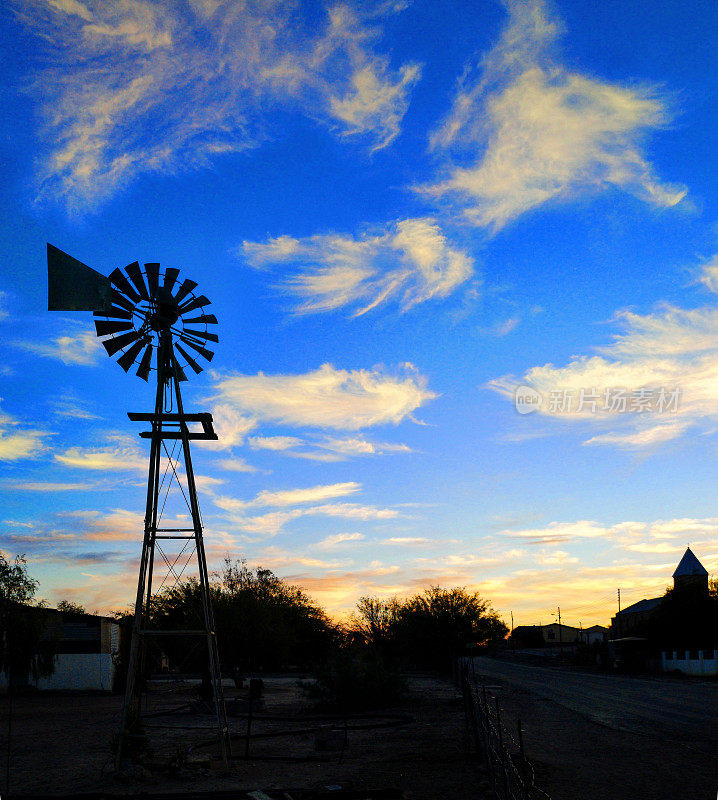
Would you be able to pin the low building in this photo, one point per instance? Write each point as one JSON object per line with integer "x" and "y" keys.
{"x": 596, "y": 634}
{"x": 679, "y": 625}
{"x": 86, "y": 648}
{"x": 552, "y": 634}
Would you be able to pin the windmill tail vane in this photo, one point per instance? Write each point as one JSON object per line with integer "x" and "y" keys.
{"x": 149, "y": 318}
{"x": 136, "y": 307}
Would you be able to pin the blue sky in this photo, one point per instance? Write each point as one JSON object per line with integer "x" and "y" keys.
{"x": 403, "y": 213}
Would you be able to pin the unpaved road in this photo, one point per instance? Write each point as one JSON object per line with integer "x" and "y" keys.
{"x": 610, "y": 737}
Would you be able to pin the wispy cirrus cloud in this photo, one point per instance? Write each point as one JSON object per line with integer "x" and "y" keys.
{"x": 121, "y": 454}
{"x": 292, "y": 497}
{"x": 18, "y": 442}
{"x": 327, "y": 449}
{"x": 4, "y": 313}
{"x": 80, "y": 347}
{"x": 327, "y": 397}
{"x": 657, "y": 380}
{"x": 138, "y": 87}
{"x": 239, "y": 512}
{"x": 409, "y": 261}
{"x": 70, "y": 407}
{"x": 542, "y": 131}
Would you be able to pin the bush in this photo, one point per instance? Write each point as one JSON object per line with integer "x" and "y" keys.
{"x": 355, "y": 679}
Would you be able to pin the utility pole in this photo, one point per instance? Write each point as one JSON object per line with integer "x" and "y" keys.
{"x": 618, "y": 616}
{"x": 560, "y": 641}
{"x": 513, "y": 641}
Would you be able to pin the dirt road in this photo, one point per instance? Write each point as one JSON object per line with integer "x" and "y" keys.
{"x": 611, "y": 736}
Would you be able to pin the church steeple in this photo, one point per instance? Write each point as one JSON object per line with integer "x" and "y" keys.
{"x": 690, "y": 572}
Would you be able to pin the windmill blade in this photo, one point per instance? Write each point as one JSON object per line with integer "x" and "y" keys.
{"x": 117, "y": 277}
{"x": 188, "y": 358}
{"x": 135, "y": 275}
{"x": 209, "y": 319}
{"x": 119, "y": 299}
{"x": 128, "y": 358}
{"x": 114, "y": 312}
{"x": 208, "y": 354}
{"x": 106, "y": 327}
{"x": 72, "y": 285}
{"x": 184, "y": 290}
{"x": 113, "y": 345}
{"x": 152, "y": 270}
{"x": 197, "y": 302}
{"x": 170, "y": 277}
{"x": 212, "y": 337}
{"x": 143, "y": 371}
{"x": 178, "y": 370}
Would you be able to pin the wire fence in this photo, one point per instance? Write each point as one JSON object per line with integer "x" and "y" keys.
{"x": 509, "y": 772}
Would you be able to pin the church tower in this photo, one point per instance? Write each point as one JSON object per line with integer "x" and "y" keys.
{"x": 690, "y": 572}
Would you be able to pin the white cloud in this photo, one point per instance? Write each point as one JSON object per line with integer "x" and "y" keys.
{"x": 3, "y": 306}
{"x": 327, "y": 397}
{"x": 359, "y": 446}
{"x": 313, "y": 494}
{"x": 132, "y": 87}
{"x": 328, "y": 449}
{"x": 81, "y": 348}
{"x": 409, "y": 261}
{"x": 669, "y": 358}
{"x": 122, "y": 454}
{"x": 274, "y": 442}
{"x": 542, "y": 131}
{"x": 230, "y": 426}
{"x": 23, "y": 444}
{"x": 70, "y": 407}
{"x": 18, "y": 443}
{"x": 336, "y": 540}
{"x": 236, "y": 465}
{"x": 272, "y": 522}
{"x": 48, "y": 486}
{"x": 628, "y": 535}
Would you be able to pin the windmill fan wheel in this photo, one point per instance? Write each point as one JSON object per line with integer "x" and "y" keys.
{"x": 150, "y": 305}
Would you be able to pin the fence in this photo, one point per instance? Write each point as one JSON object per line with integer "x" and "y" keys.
{"x": 509, "y": 772}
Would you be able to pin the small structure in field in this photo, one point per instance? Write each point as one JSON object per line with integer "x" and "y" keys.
{"x": 86, "y": 647}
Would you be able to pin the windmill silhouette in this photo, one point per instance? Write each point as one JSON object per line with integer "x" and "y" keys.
{"x": 150, "y": 318}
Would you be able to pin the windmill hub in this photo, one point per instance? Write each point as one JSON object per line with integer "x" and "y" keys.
{"x": 151, "y": 300}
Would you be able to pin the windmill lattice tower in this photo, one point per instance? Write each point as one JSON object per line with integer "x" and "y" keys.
{"x": 152, "y": 320}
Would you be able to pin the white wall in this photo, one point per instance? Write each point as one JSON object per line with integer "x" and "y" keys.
{"x": 80, "y": 671}
{"x": 705, "y": 664}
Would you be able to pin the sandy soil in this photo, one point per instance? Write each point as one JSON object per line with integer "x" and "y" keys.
{"x": 61, "y": 744}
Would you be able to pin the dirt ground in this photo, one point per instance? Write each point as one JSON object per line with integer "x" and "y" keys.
{"x": 61, "y": 745}
{"x": 577, "y": 758}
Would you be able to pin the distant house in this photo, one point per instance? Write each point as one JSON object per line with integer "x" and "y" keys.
{"x": 544, "y": 635}
{"x": 596, "y": 634}
{"x": 631, "y": 617}
{"x": 86, "y": 646}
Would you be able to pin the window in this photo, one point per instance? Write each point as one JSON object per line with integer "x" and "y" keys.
{"x": 680, "y": 655}
{"x": 551, "y": 635}
{"x": 693, "y": 655}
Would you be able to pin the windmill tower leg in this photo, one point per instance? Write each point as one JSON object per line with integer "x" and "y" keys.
{"x": 169, "y": 426}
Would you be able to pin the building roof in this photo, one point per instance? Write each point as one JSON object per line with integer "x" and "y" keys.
{"x": 641, "y": 605}
{"x": 689, "y": 565}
